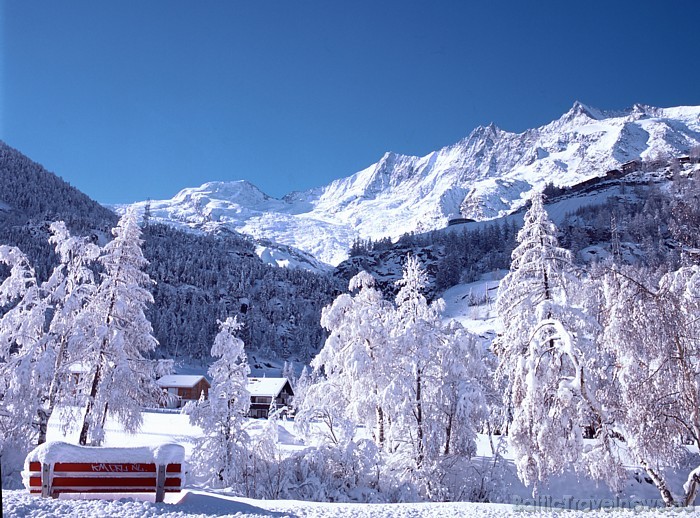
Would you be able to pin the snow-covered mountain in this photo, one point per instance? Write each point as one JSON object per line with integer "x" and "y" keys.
{"x": 483, "y": 176}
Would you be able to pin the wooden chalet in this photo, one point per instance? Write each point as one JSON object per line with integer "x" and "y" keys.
{"x": 631, "y": 166}
{"x": 78, "y": 372}
{"x": 184, "y": 388}
{"x": 266, "y": 393}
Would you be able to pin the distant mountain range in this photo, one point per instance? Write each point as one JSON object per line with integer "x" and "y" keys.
{"x": 483, "y": 176}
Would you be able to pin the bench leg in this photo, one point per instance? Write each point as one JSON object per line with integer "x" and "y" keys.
{"x": 160, "y": 483}
{"x": 46, "y": 480}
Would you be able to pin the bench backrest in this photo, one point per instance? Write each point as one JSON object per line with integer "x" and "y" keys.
{"x": 96, "y": 477}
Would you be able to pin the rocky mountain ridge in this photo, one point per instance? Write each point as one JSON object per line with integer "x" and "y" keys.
{"x": 486, "y": 175}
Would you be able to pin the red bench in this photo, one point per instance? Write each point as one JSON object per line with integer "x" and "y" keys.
{"x": 55, "y": 468}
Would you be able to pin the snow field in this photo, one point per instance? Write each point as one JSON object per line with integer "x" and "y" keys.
{"x": 200, "y": 504}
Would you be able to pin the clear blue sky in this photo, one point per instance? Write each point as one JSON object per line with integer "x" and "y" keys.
{"x": 129, "y": 100}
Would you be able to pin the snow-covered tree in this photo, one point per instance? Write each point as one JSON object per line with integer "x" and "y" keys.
{"x": 400, "y": 372}
{"x": 545, "y": 353}
{"x": 323, "y": 417}
{"x": 289, "y": 374}
{"x": 69, "y": 288}
{"x": 36, "y": 330}
{"x": 354, "y": 357}
{"x": 23, "y": 369}
{"x": 652, "y": 334}
{"x": 301, "y": 387}
{"x": 435, "y": 396}
{"x": 221, "y": 415}
{"x": 114, "y": 335}
{"x": 460, "y": 405}
{"x": 416, "y": 330}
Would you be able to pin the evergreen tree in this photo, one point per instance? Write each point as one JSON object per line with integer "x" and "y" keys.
{"x": 544, "y": 354}
{"x": 218, "y": 453}
{"x": 301, "y": 387}
{"x": 113, "y": 336}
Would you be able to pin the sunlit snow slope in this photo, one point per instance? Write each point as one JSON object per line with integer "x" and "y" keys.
{"x": 486, "y": 175}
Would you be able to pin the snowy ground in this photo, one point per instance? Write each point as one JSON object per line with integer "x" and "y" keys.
{"x": 195, "y": 504}
{"x": 640, "y": 498}
{"x": 473, "y": 305}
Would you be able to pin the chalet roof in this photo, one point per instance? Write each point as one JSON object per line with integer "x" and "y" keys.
{"x": 180, "y": 380}
{"x": 82, "y": 367}
{"x": 266, "y": 386}
{"x": 79, "y": 368}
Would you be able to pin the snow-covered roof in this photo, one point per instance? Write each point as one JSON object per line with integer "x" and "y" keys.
{"x": 79, "y": 368}
{"x": 180, "y": 380}
{"x": 266, "y": 386}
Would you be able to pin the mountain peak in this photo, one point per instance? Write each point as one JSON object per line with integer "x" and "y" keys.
{"x": 229, "y": 189}
{"x": 579, "y": 109}
{"x": 490, "y": 129}
{"x": 387, "y": 158}
{"x": 479, "y": 135}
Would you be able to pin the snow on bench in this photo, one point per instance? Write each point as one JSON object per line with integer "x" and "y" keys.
{"x": 58, "y": 467}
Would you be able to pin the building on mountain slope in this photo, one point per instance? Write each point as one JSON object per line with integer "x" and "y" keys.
{"x": 458, "y": 219}
{"x": 631, "y": 166}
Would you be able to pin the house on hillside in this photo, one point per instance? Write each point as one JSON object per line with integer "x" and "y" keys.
{"x": 184, "y": 388}
{"x": 631, "y": 166}
{"x": 79, "y": 372}
{"x": 459, "y": 220}
{"x": 267, "y": 392}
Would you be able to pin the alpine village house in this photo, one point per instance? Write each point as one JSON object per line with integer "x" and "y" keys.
{"x": 265, "y": 393}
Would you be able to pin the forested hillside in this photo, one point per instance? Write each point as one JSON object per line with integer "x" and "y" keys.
{"x": 204, "y": 278}
{"x": 31, "y": 198}
{"x": 198, "y": 278}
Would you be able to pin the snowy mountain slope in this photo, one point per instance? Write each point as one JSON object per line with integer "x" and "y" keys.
{"x": 288, "y": 257}
{"x": 462, "y": 252}
{"x": 243, "y": 208}
{"x": 483, "y": 176}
